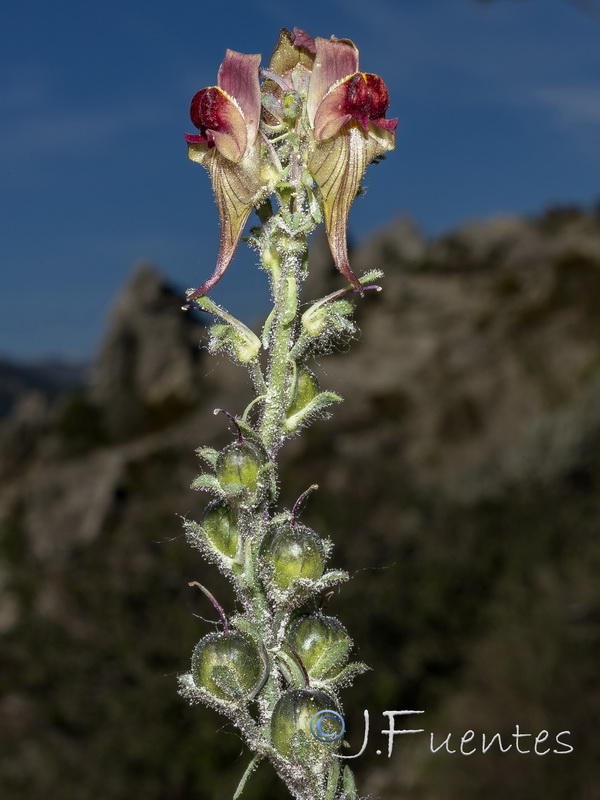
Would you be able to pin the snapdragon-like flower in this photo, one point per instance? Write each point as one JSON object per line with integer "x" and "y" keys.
{"x": 346, "y": 113}
{"x": 315, "y": 93}
{"x": 228, "y": 116}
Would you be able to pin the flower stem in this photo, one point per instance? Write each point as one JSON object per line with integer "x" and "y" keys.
{"x": 281, "y": 342}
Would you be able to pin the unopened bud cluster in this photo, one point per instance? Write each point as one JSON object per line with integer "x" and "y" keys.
{"x": 304, "y": 136}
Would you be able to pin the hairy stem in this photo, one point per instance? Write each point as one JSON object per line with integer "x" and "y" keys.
{"x": 282, "y": 338}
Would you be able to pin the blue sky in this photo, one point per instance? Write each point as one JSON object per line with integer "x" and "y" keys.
{"x": 499, "y": 111}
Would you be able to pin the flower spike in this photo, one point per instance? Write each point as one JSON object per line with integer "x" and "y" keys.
{"x": 306, "y": 135}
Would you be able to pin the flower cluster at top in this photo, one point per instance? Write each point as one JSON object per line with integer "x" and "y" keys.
{"x": 316, "y": 122}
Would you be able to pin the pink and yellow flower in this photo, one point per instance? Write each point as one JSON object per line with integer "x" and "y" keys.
{"x": 228, "y": 116}
{"x": 346, "y": 113}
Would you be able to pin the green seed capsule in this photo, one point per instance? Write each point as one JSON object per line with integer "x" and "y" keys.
{"x": 291, "y": 726}
{"x": 321, "y": 642}
{"x": 220, "y": 528}
{"x": 289, "y": 553}
{"x": 227, "y": 665}
{"x": 238, "y": 470}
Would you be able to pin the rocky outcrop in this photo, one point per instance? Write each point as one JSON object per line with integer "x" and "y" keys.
{"x": 480, "y": 357}
{"x": 150, "y": 355}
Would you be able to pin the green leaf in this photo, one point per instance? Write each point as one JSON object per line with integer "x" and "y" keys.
{"x": 346, "y": 675}
{"x": 316, "y": 320}
{"x": 188, "y": 689}
{"x": 207, "y": 482}
{"x": 218, "y": 336}
{"x": 333, "y": 656}
{"x": 349, "y": 785}
{"x": 209, "y": 454}
{"x": 332, "y": 577}
{"x": 248, "y": 771}
{"x": 239, "y": 340}
{"x": 266, "y": 331}
{"x": 289, "y": 300}
{"x": 332, "y": 780}
{"x": 371, "y": 276}
{"x": 311, "y": 410}
{"x": 244, "y": 342}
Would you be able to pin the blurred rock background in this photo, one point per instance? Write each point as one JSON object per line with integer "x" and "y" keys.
{"x": 459, "y": 481}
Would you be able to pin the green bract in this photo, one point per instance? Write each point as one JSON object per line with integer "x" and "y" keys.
{"x": 227, "y": 665}
{"x": 292, "y": 552}
{"x": 321, "y": 642}
{"x": 220, "y": 528}
{"x": 306, "y": 388}
{"x": 239, "y": 470}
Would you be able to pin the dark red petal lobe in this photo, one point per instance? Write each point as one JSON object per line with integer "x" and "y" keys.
{"x": 387, "y": 124}
{"x": 197, "y": 138}
{"x": 363, "y": 97}
{"x": 367, "y": 98}
{"x": 208, "y": 110}
{"x": 379, "y": 95}
{"x": 218, "y": 118}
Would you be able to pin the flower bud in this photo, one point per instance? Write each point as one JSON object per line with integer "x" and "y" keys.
{"x": 306, "y": 388}
{"x": 321, "y": 642}
{"x": 246, "y": 346}
{"x": 271, "y": 259}
{"x": 220, "y": 528}
{"x": 290, "y": 552}
{"x": 290, "y": 726}
{"x": 227, "y": 665}
{"x": 239, "y": 471}
{"x": 326, "y": 318}
{"x": 239, "y": 340}
{"x": 314, "y": 320}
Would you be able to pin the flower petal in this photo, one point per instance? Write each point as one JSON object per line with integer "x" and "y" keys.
{"x": 236, "y": 187}
{"x": 337, "y": 166}
{"x": 363, "y": 97}
{"x": 387, "y": 124}
{"x": 197, "y": 138}
{"x": 379, "y": 98}
{"x": 218, "y": 117}
{"x": 238, "y": 76}
{"x": 335, "y": 59}
{"x": 302, "y": 39}
{"x": 292, "y": 49}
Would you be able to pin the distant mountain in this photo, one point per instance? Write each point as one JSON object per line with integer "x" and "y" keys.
{"x": 50, "y": 378}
